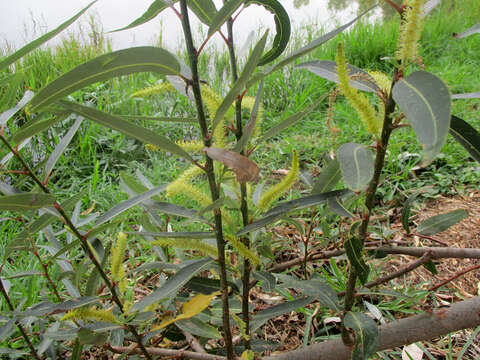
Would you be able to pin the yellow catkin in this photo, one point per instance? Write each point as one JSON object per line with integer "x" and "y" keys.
{"x": 154, "y": 90}
{"x": 189, "y": 191}
{"x": 282, "y": 187}
{"x": 359, "y": 102}
{"x": 242, "y": 249}
{"x": 410, "y": 32}
{"x": 212, "y": 102}
{"x": 188, "y": 244}
{"x": 193, "y": 146}
{"x": 383, "y": 80}
{"x": 118, "y": 254}
{"x": 90, "y": 314}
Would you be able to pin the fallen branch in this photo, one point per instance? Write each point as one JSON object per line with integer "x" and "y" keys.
{"x": 437, "y": 253}
{"x": 173, "y": 354}
{"x": 407, "y": 268}
{"x": 462, "y": 315}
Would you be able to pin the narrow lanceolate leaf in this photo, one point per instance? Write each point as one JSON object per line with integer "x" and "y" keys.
{"x": 161, "y": 118}
{"x": 39, "y": 41}
{"x": 359, "y": 79}
{"x": 474, "y": 95}
{"x": 128, "y": 204}
{"x": 127, "y": 128}
{"x": 199, "y": 328}
{"x": 356, "y": 164}
{"x": 179, "y": 235}
{"x": 336, "y": 206}
{"x": 268, "y": 280}
{"x": 406, "y": 211}
{"x": 153, "y": 10}
{"x": 6, "y": 115}
{"x": 328, "y": 178}
{"x": 239, "y": 85}
{"x": 62, "y": 145}
{"x": 204, "y": 9}
{"x": 26, "y": 201}
{"x": 313, "y": 45}
{"x": 473, "y": 30}
{"x": 322, "y": 291}
{"x": 429, "y": 6}
{"x": 466, "y": 135}
{"x": 291, "y": 120}
{"x": 282, "y": 28}
{"x": 173, "y": 284}
{"x": 439, "y": 223}
{"x": 286, "y": 207}
{"x": 223, "y": 14}
{"x": 263, "y": 316}
{"x": 425, "y": 100}
{"x": 7, "y": 329}
{"x": 35, "y": 127}
{"x": 117, "y": 63}
{"x": 172, "y": 209}
{"x": 366, "y": 335}
{"x": 354, "y": 250}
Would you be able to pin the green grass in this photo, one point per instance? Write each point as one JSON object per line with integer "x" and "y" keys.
{"x": 97, "y": 155}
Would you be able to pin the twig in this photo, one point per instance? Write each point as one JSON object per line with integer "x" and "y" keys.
{"x": 175, "y": 354}
{"x": 193, "y": 342}
{"x": 209, "y": 170}
{"x": 431, "y": 238}
{"x": 407, "y": 268}
{"x": 19, "y": 326}
{"x": 457, "y": 275}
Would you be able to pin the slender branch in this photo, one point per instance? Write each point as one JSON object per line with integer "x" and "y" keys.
{"x": 19, "y": 326}
{"x": 462, "y": 315}
{"x": 457, "y": 275}
{"x": 209, "y": 169}
{"x": 193, "y": 342}
{"x": 431, "y": 238}
{"x": 172, "y": 354}
{"x": 243, "y": 191}
{"x": 83, "y": 241}
{"x": 407, "y": 268}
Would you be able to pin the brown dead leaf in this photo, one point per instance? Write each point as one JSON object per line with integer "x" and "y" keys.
{"x": 243, "y": 167}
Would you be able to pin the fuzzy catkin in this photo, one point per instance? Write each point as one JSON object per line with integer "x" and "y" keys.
{"x": 410, "y": 32}
{"x": 367, "y": 113}
{"x": 90, "y": 314}
{"x": 153, "y": 90}
{"x": 282, "y": 187}
{"x": 118, "y": 254}
{"x": 188, "y": 244}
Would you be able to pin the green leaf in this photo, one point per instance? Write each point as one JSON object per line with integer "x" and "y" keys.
{"x": 6, "y": 115}
{"x": 291, "y": 120}
{"x": 282, "y": 28}
{"x": 172, "y": 209}
{"x": 366, "y": 335}
{"x": 173, "y": 284}
{"x": 153, "y": 10}
{"x": 127, "y": 128}
{"x": 104, "y": 67}
{"x": 7, "y": 329}
{"x": 430, "y": 266}
{"x": 207, "y": 286}
{"x": 336, "y": 206}
{"x": 239, "y": 85}
{"x": 89, "y": 337}
{"x": 263, "y": 316}
{"x": 223, "y": 14}
{"x": 199, "y": 328}
{"x": 128, "y": 204}
{"x": 161, "y": 118}
{"x": 77, "y": 351}
{"x": 62, "y": 146}
{"x": 322, "y": 291}
{"x": 204, "y": 9}
{"x": 356, "y": 163}
{"x": 26, "y": 201}
{"x": 442, "y": 222}
{"x": 268, "y": 280}
{"x": 286, "y": 207}
{"x": 328, "y": 178}
{"x": 470, "y": 31}
{"x": 426, "y": 102}
{"x": 359, "y": 79}
{"x": 406, "y": 211}
{"x": 48, "y": 308}
{"x": 37, "y": 126}
{"x": 466, "y": 135}
{"x": 178, "y": 235}
{"x": 42, "y": 39}
{"x": 354, "y": 250}
{"x": 311, "y": 46}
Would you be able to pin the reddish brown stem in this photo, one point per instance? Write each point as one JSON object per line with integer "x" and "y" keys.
{"x": 457, "y": 275}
